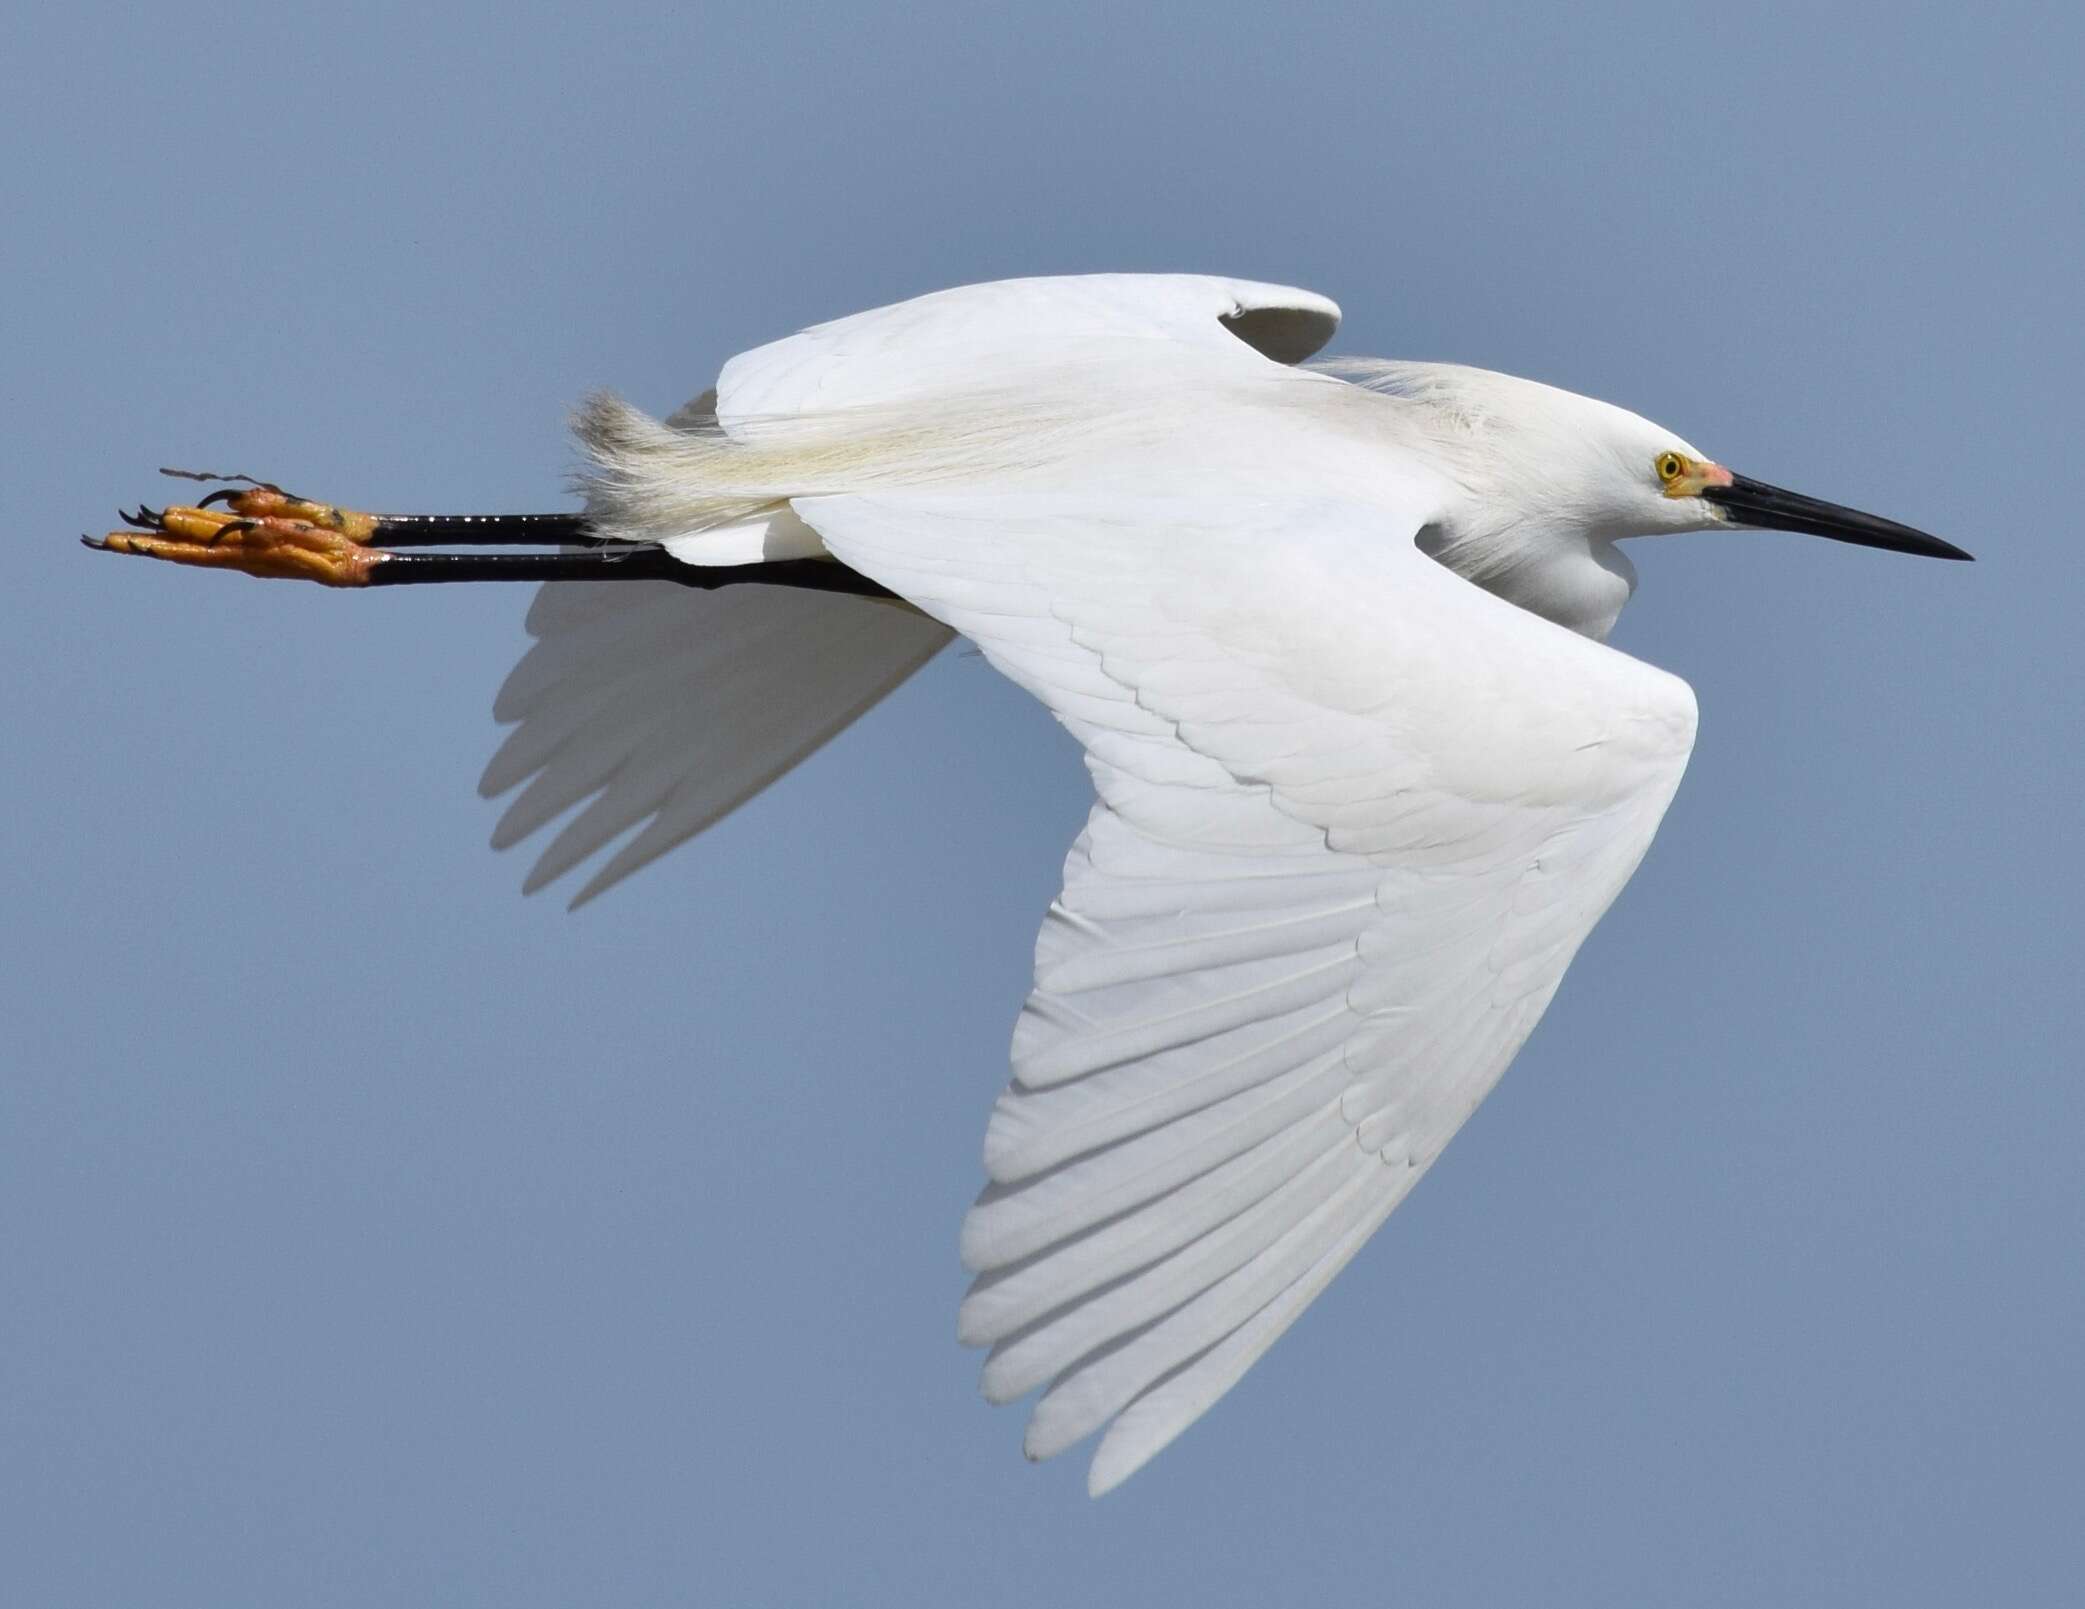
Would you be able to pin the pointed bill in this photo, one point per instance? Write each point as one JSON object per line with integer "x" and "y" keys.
{"x": 1755, "y": 503}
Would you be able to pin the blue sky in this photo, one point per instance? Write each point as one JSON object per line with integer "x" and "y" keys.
{"x": 374, "y": 1235}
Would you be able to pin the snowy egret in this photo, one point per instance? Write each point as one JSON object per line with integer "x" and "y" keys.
{"x": 1331, "y": 637}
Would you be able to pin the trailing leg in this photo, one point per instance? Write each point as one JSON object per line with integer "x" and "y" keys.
{"x": 258, "y": 529}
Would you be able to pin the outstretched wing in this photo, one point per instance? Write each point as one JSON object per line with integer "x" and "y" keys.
{"x": 1355, "y": 817}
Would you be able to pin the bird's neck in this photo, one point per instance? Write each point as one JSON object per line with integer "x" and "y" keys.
{"x": 1581, "y": 582}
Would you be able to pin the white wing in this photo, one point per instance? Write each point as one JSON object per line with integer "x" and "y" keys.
{"x": 1355, "y": 817}
{"x": 670, "y": 707}
{"x": 953, "y": 340}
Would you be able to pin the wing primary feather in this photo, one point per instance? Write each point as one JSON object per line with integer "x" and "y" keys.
{"x": 1150, "y": 1423}
{"x": 1050, "y": 1344}
{"x": 1013, "y": 1222}
{"x": 1100, "y": 1386}
{"x": 1007, "y": 1298}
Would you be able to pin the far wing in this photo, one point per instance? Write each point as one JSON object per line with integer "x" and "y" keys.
{"x": 1355, "y": 817}
{"x": 953, "y": 340}
{"x": 671, "y": 706}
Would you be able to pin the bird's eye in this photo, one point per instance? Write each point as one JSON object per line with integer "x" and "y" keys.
{"x": 1670, "y": 467}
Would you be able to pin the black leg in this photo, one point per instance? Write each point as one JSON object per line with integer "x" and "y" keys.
{"x": 642, "y": 563}
{"x": 255, "y": 499}
{"x": 479, "y": 530}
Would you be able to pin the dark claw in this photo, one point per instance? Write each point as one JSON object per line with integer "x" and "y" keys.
{"x": 211, "y": 474}
{"x": 145, "y": 519}
{"x": 94, "y": 542}
{"x": 225, "y": 494}
{"x": 224, "y": 531}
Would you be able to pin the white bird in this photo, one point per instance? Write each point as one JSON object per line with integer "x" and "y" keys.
{"x": 1331, "y": 638}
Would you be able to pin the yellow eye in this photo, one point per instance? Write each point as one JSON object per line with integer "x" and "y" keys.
{"x": 1671, "y": 466}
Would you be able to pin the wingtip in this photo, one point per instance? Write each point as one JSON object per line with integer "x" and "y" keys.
{"x": 1122, "y": 1452}
{"x": 1104, "y": 1474}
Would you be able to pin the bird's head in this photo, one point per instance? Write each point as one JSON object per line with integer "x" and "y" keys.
{"x": 1656, "y": 482}
{"x": 1552, "y": 456}
{"x": 1534, "y": 457}
{"x": 1676, "y": 488}
{"x": 1549, "y": 481}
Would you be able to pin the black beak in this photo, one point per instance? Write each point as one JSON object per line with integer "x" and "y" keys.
{"x": 1753, "y": 502}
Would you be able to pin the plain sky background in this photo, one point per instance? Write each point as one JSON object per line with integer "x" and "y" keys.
{"x": 370, "y": 1235}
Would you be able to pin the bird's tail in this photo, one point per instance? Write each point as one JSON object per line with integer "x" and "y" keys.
{"x": 646, "y": 480}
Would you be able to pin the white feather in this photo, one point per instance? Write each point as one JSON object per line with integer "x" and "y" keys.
{"x": 1304, "y": 930}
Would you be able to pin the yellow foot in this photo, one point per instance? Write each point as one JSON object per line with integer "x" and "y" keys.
{"x": 260, "y": 530}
